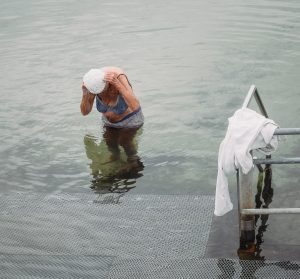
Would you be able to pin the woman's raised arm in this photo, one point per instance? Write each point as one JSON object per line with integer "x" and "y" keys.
{"x": 121, "y": 84}
{"x": 87, "y": 101}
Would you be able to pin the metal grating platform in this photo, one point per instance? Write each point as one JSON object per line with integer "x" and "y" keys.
{"x": 117, "y": 236}
{"x": 76, "y": 266}
{"x": 203, "y": 268}
{"x": 54, "y": 266}
{"x": 135, "y": 226}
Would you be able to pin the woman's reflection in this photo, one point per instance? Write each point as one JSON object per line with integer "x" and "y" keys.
{"x": 115, "y": 164}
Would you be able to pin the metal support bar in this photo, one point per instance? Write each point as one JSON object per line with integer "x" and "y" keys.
{"x": 295, "y": 160}
{"x": 261, "y": 211}
{"x": 245, "y": 183}
{"x": 253, "y": 92}
{"x": 287, "y": 131}
{"x": 245, "y": 198}
{"x": 249, "y": 96}
{"x": 260, "y": 104}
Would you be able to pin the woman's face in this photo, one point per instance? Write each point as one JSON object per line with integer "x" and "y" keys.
{"x": 106, "y": 88}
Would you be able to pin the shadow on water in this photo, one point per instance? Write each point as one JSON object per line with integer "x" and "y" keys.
{"x": 115, "y": 164}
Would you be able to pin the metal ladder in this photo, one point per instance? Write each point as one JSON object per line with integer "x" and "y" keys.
{"x": 246, "y": 208}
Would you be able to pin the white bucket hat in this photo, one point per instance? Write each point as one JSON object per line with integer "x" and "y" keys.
{"x": 93, "y": 80}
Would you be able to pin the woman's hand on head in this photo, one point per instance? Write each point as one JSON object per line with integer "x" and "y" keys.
{"x": 112, "y": 78}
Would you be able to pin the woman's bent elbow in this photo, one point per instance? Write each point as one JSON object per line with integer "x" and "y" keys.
{"x": 84, "y": 110}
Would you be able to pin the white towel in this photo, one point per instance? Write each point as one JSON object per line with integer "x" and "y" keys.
{"x": 247, "y": 130}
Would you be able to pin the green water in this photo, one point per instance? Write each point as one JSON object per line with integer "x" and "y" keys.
{"x": 191, "y": 64}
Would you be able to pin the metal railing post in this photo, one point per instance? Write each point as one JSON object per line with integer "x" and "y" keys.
{"x": 246, "y": 200}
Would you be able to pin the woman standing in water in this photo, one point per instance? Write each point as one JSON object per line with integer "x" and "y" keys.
{"x": 121, "y": 110}
{"x": 114, "y": 98}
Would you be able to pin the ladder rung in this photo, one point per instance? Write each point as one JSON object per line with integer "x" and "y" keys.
{"x": 287, "y": 131}
{"x": 262, "y": 211}
{"x": 295, "y": 160}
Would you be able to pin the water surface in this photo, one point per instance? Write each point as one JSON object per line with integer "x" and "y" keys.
{"x": 191, "y": 64}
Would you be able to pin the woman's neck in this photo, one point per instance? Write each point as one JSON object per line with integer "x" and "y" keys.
{"x": 110, "y": 94}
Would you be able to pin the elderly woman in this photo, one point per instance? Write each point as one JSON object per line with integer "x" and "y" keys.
{"x": 121, "y": 111}
{"x": 114, "y": 98}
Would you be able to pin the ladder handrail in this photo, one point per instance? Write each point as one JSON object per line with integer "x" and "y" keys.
{"x": 278, "y": 161}
{"x": 246, "y": 208}
{"x": 287, "y": 131}
{"x": 267, "y": 211}
{"x": 253, "y": 92}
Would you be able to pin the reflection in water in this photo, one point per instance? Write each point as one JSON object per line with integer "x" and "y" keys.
{"x": 115, "y": 165}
